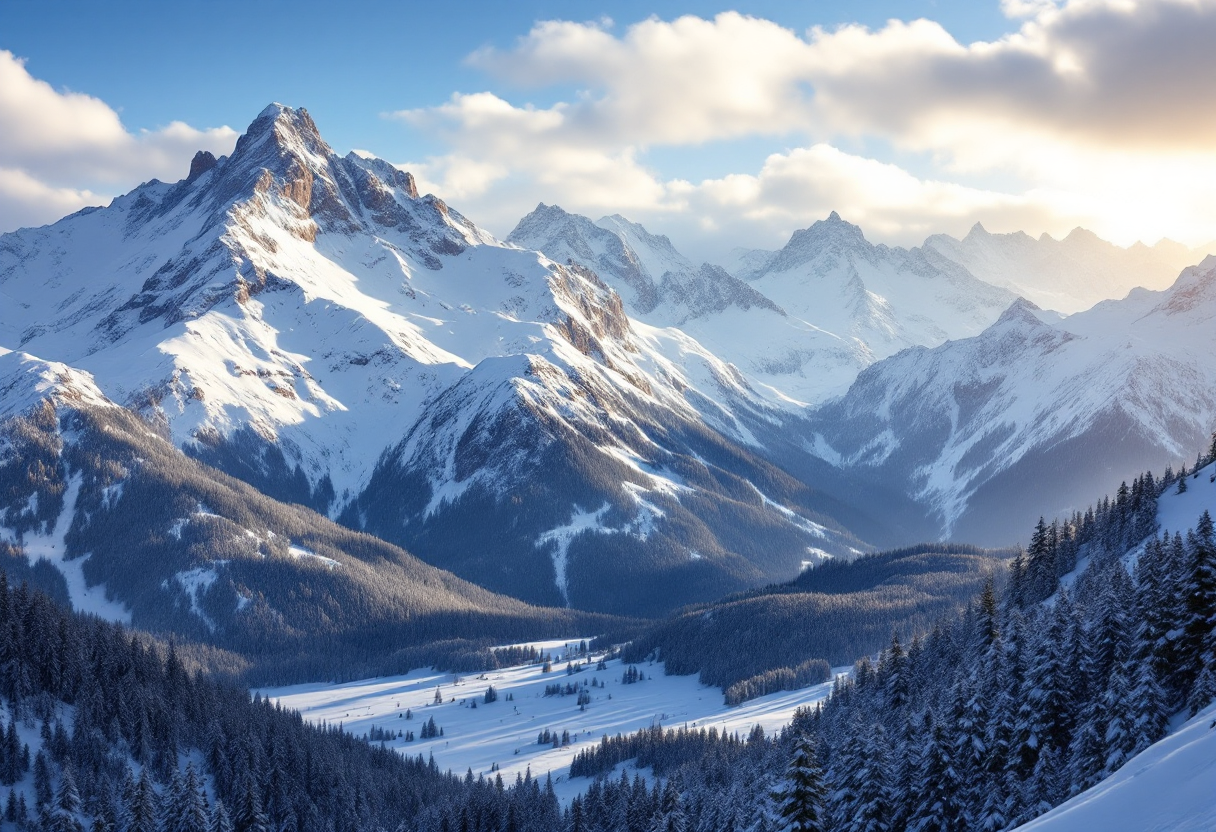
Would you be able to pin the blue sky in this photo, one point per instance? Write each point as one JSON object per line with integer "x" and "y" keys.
{"x": 820, "y": 119}
{"x": 221, "y": 61}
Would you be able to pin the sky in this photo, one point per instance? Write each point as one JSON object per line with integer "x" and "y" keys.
{"x": 719, "y": 125}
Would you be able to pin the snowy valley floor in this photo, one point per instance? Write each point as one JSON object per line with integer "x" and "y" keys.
{"x": 505, "y": 732}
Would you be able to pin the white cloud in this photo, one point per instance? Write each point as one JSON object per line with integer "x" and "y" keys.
{"x": 25, "y": 201}
{"x": 1095, "y": 111}
{"x": 61, "y": 147}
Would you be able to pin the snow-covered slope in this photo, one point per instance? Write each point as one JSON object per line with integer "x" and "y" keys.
{"x": 1036, "y": 412}
{"x": 1067, "y": 275}
{"x": 26, "y": 381}
{"x": 1171, "y": 785}
{"x": 107, "y": 516}
{"x": 1168, "y": 786}
{"x": 851, "y": 303}
{"x": 289, "y": 315}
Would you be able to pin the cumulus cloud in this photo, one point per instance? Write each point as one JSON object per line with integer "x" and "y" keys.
{"x": 1096, "y": 73}
{"x": 25, "y": 201}
{"x": 61, "y": 149}
{"x": 1094, "y": 111}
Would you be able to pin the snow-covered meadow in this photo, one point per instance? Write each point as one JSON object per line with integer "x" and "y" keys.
{"x": 504, "y": 733}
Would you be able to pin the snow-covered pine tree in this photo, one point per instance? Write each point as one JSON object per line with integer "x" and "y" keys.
{"x": 1203, "y": 692}
{"x": 67, "y": 804}
{"x": 1119, "y": 737}
{"x": 220, "y": 820}
{"x": 250, "y": 816}
{"x": 939, "y": 806}
{"x": 873, "y": 803}
{"x": 141, "y": 813}
{"x": 1199, "y": 591}
{"x": 670, "y": 816}
{"x": 186, "y": 809}
{"x": 800, "y": 797}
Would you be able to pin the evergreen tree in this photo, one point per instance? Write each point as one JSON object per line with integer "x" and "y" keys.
{"x": 1146, "y": 707}
{"x": 249, "y": 815}
{"x": 67, "y": 804}
{"x": 1119, "y": 737}
{"x": 873, "y": 803}
{"x": 1045, "y": 788}
{"x": 141, "y": 810}
{"x": 1203, "y": 693}
{"x": 220, "y": 822}
{"x": 1199, "y": 590}
{"x": 800, "y": 798}
{"x": 670, "y": 816}
{"x": 939, "y": 804}
{"x": 187, "y": 810}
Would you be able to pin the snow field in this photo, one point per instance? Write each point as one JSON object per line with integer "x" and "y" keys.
{"x": 505, "y": 732}
{"x": 50, "y": 546}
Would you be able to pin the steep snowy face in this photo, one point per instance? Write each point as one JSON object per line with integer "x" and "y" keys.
{"x": 878, "y": 298}
{"x": 26, "y": 381}
{"x": 1067, "y": 275}
{"x": 572, "y": 238}
{"x": 993, "y": 431}
{"x": 268, "y": 295}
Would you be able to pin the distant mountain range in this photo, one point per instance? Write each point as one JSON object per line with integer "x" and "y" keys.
{"x": 994, "y": 431}
{"x": 802, "y": 321}
{"x": 1068, "y": 275}
{"x": 577, "y": 416}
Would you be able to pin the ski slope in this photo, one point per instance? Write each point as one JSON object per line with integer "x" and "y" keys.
{"x": 505, "y": 732}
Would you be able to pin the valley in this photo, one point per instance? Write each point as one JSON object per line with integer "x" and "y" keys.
{"x": 501, "y": 737}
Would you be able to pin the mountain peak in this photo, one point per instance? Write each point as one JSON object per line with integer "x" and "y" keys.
{"x": 202, "y": 162}
{"x": 833, "y": 234}
{"x": 538, "y": 226}
{"x": 1021, "y": 311}
{"x": 288, "y": 131}
{"x": 1082, "y": 235}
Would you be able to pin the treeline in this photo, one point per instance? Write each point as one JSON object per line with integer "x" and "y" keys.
{"x": 810, "y": 672}
{"x": 771, "y": 639}
{"x": 661, "y": 749}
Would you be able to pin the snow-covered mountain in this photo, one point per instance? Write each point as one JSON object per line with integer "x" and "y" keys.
{"x": 806, "y": 320}
{"x": 100, "y": 511}
{"x": 309, "y": 323}
{"x": 1036, "y": 412}
{"x": 1066, "y": 275}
